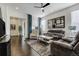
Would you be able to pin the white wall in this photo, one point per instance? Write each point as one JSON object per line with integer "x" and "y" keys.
{"x": 65, "y": 12}
{"x": 8, "y": 11}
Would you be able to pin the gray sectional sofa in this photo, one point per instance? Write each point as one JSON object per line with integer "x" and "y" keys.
{"x": 58, "y": 34}
{"x": 65, "y": 47}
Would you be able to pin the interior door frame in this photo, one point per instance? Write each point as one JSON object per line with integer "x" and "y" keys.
{"x": 12, "y": 17}
{"x": 23, "y": 24}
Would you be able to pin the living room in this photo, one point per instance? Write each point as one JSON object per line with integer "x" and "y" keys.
{"x": 59, "y": 25}
{"x": 43, "y": 29}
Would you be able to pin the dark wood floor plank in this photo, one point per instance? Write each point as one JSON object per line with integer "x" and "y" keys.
{"x": 16, "y": 47}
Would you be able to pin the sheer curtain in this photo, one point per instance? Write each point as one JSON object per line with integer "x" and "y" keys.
{"x": 43, "y": 26}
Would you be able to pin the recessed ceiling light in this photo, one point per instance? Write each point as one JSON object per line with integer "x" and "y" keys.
{"x": 17, "y": 8}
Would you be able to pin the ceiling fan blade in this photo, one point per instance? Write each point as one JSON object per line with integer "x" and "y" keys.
{"x": 41, "y": 6}
{"x": 46, "y": 5}
{"x": 37, "y": 7}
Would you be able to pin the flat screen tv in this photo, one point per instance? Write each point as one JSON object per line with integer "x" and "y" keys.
{"x": 2, "y": 28}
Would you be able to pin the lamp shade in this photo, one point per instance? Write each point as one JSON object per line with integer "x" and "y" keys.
{"x": 72, "y": 27}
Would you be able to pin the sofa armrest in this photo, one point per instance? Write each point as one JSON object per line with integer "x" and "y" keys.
{"x": 63, "y": 44}
{"x": 76, "y": 47}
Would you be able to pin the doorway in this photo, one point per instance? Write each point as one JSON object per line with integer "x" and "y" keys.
{"x": 17, "y": 35}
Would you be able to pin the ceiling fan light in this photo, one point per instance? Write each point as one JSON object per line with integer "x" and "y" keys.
{"x": 42, "y": 8}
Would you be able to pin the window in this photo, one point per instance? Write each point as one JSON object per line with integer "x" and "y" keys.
{"x": 75, "y": 19}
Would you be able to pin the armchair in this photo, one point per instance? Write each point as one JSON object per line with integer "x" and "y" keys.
{"x": 65, "y": 47}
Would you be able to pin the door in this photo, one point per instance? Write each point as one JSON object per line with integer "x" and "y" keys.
{"x": 14, "y": 26}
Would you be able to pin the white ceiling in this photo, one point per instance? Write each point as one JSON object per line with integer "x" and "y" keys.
{"x": 29, "y": 8}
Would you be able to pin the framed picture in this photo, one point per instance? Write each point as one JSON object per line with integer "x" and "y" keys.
{"x": 13, "y": 26}
{"x": 58, "y": 22}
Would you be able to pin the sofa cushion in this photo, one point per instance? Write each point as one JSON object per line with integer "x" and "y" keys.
{"x": 48, "y": 34}
{"x": 56, "y": 31}
{"x": 69, "y": 40}
{"x": 59, "y": 33}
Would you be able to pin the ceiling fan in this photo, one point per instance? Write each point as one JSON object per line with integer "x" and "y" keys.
{"x": 42, "y": 6}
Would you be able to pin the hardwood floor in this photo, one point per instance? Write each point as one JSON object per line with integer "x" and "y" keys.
{"x": 16, "y": 47}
